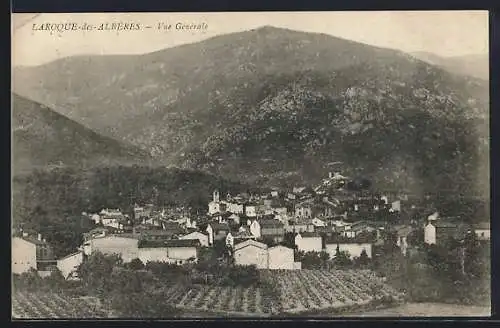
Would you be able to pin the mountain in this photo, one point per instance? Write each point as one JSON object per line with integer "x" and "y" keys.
{"x": 271, "y": 105}
{"x": 471, "y": 65}
{"x": 42, "y": 137}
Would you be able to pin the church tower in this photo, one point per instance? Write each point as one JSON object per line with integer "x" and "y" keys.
{"x": 216, "y": 196}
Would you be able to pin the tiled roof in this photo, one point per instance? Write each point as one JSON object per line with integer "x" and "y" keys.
{"x": 70, "y": 255}
{"x": 34, "y": 240}
{"x": 309, "y": 235}
{"x": 249, "y": 242}
{"x": 270, "y": 223}
{"x": 445, "y": 224}
{"x": 169, "y": 243}
{"x": 219, "y": 226}
{"x": 347, "y": 240}
{"x": 482, "y": 226}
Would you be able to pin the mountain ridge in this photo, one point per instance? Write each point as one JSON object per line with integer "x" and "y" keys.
{"x": 224, "y": 103}
{"x": 44, "y": 138}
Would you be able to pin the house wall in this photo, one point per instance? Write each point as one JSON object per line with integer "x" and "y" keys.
{"x": 213, "y": 207}
{"x": 69, "y": 264}
{"x": 277, "y": 234}
{"x": 280, "y": 258}
{"x": 251, "y": 255}
{"x": 210, "y": 232}
{"x": 110, "y": 222}
{"x": 235, "y": 208}
{"x": 483, "y": 234}
{"x": 182, "y": 253}
{"x": 230, "y": 240}
{"x": 430, "y": 234}
{"x": 353, "y": 249}
{"x": 23, "y": 255}
{"x": 126, "y": 247}
{"x": 255, "y": 229}
{"x": 303, "y": 212}
{"x": 300, "y": 228}
{"x": 251, "y": 211}
{"x": 197, "y": 236}
{"x": 153, "y": 254}
{"x": 309, "y": 244}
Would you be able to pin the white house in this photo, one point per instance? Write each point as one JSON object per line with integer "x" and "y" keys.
{"x": 308, "y": 242}
{"x": 69, "y": 264}
{"x": 280, "y": 258}
{"x": 230, "y": 240}
{"x": 31, "y": 253}
{"x": 214, "y": 205}
{"x": 96, "y": 218}
{"x": 251, "y": 252}
{"x": 196, "y": 235}
{"x": 111, "y": 221}
{"x": 124, "y": 245}
{"x": 482, "y": 230}
{"x": 396, "y": 206}
{"x": 318, "y": 222}
{"x": 255, "y": 228}
{"x": 430, "y": 233}
{"x": 169, "y": 251}
{"x": 234, "y": 207}
{"x": 251, "y": 210}
{"x": 23, "y": 255}
{"x": 304, "y": 209}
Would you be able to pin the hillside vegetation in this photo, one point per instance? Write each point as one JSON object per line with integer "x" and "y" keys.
{"x": 269, "y": 105}
{"x": 42, "y": 137}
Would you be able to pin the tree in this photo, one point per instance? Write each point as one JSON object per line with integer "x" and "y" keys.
{"x": 363, "y": 260}
{"x": 96, "y": 272}
{"x": 136, "y": 264}
{"x": 342, "y": 258}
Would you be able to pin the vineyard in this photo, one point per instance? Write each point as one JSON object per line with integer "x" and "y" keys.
{"x": 54, "y": 306}
{"x": 306, "y": 290}
{"x": 219, "y": 299}
{"x": 298, "y": 291}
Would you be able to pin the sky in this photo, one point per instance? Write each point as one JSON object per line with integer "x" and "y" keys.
{"x": 445, "y": 33}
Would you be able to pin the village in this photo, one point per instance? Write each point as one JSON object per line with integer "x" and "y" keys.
{"x": 270, "y": 231}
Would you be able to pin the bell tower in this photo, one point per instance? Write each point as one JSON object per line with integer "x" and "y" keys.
{"x": 216, "y": 196}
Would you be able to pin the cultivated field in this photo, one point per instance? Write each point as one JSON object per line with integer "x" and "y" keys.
{"x": 54, "y": 306}
{"x": 301, "y": 291}
{"x": 313, "y": 290}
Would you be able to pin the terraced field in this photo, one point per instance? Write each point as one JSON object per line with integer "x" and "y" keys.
{"x": 54, "y": 306}
{"x": 301, "y": 291}
{"x": 309, "y": 290}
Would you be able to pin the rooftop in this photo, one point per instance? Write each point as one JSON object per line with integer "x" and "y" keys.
{"x": 309, "y": 235}
{"x": 270, "y": 223}
{"x": 219, "y": 226}
{"x": 169, "y": 243}
{"x": 482, "y": 226}
{"x": 250, "y": 242}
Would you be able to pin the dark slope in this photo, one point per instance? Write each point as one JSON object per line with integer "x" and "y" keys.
{"x": 274, "y": 102}
{"x": 42, "y": 137}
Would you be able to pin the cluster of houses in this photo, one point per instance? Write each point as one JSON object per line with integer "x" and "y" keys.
{"x": 253, "y": 229}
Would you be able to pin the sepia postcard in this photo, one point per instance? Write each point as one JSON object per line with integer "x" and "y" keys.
{"x": 250, "y": 165}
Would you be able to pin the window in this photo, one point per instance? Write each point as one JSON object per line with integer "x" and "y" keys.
{"x": 482, "y": 234}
